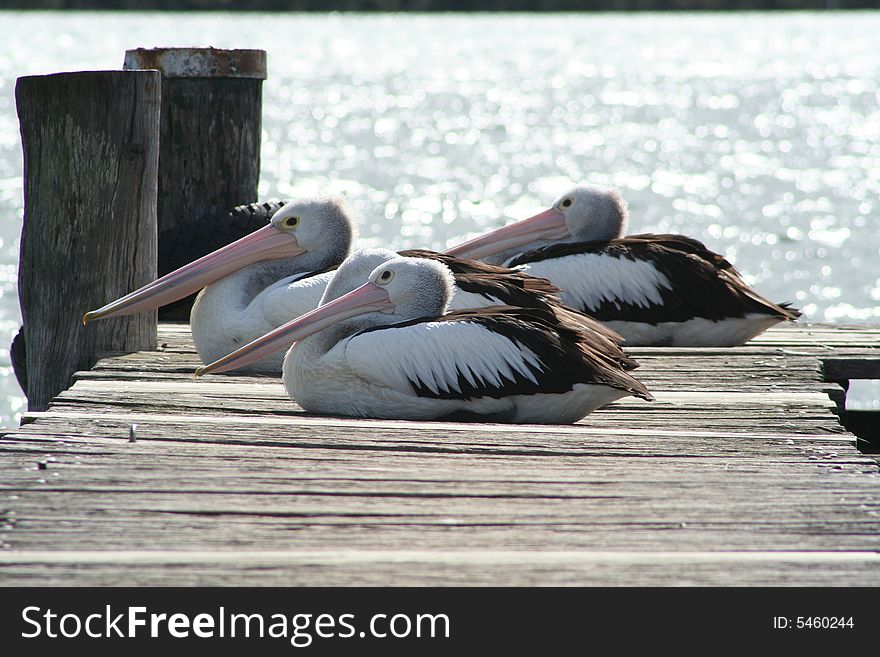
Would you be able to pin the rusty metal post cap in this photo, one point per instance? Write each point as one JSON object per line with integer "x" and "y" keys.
{"x": 199, "y": 62}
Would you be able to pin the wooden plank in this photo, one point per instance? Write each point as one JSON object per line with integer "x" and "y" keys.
{"x": 468, "y": 568}
{"x": 216, "y": 385}
{"x": 120, "y": 422}
{"x": 744, "y": 421}
{"x": 462, "y": 557}
{"x": 851, "y": 367}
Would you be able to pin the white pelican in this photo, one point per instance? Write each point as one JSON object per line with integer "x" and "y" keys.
{"x": 254, "y": 284}
{"x": 387, "y": 350}
{"x": 665, "y": 290}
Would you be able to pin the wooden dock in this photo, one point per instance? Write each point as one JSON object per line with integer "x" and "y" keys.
{"x": 738, "y": 474}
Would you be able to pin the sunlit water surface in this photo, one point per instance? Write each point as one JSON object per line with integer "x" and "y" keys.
{"x": 757, "y": 133}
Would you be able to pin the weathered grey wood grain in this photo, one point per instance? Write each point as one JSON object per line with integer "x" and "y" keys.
{"x": 91, "y": 144}
{"x": 744, "y": 481}
{"x": 175, "y": 425}
{"x": 467, "y": 568}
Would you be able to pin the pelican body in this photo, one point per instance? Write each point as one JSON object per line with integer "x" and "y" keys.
{"x": 385, "y": 349}
{"x": 654, "y": 290}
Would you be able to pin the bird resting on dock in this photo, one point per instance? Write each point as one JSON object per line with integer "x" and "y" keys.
{"x": 387, "y": 348}
{"x": 654, "y": 290}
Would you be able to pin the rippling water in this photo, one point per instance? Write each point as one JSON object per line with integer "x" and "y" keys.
{"x": 757, "y": 133}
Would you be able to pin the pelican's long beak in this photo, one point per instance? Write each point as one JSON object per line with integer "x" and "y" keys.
{"x": 267, "y": 243}
{"x": 547, "y": 225}
{"x": 369, "y": 297}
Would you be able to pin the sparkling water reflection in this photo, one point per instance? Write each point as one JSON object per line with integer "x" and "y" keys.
{"x": 758, "y": 133}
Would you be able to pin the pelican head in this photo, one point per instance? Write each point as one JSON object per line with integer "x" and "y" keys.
{"x": 316, "y": 233}
{"x": 322, "y": 227}
{"x": 585, "y": 213}
{"x": 416, "y": 287}
{"x": 354, "y": 271}
{"x": 396, "y": 290}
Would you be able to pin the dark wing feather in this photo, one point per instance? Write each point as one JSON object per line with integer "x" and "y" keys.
{"x": 687, "y": 245}
{"x": 514, "y": 288}
{"x": 699, "y": 288}
{"x": 567, "y": 355}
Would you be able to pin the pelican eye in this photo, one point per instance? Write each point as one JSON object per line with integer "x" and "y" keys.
{"x": 385, "y": 277}
{"x": 566, "y": 203}
{"x": 291, "y": 222}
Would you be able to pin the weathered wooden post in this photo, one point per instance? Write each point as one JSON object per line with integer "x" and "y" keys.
{"x": 209, "y": 154}
{"x": 91, "y": 148}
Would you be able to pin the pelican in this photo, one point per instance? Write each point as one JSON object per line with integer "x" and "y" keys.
{"x": 385, "y": 349}
{"x": 654, "y": 290}
{"x": 254, "y": 284}
{"x": 281, "y": 271}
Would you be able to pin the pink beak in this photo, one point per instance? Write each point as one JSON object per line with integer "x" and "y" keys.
{"x": 547, "y": 225}
{"x": 267, "y": 243}
{"x": 369, "y": 297}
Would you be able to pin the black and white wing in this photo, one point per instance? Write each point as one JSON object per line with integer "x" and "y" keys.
{"x": 494, "y": 352}
{"x": 640, "y": 281}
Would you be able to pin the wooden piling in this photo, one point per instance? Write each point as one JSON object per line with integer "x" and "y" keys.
{"x": 91, "y": 146}
{"x": 209, "y": 158}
